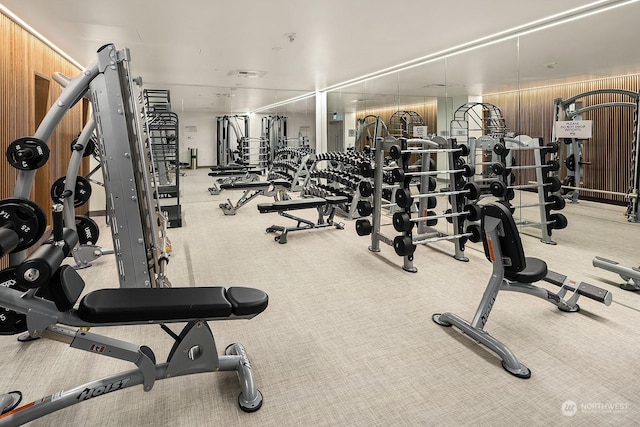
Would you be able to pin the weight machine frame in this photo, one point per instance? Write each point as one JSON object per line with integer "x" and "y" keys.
{"x": 569, "y": 109}
{"x": 137, "y": 224}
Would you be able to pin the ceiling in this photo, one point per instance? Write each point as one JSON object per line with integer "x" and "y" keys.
{"x": 190, "y": 47}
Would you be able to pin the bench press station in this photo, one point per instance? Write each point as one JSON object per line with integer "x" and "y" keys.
{"x": 512, "y": 271}
{"x": 326, "y": 211}
{"x": 278, "y": 189}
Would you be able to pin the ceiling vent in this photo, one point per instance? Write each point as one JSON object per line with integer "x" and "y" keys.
{"x": 250, "y": 74}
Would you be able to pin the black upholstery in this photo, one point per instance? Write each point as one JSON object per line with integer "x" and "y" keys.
{"x": 522, "y": 269}
{"x": 286, "y": 205}
{"x": 334, "y": 200}
{"x": 65, "y": 287}
{"x": 536, "y": 269}
{"x": 281, "y": 183}
{"x": 244, "y": 185}
{"x": 510, "y": 243}
{"x": 169, "y": 304}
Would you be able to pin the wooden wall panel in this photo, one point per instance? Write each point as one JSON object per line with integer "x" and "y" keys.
{"x": 23, "y": 57}
{"x": 530, "y": 112}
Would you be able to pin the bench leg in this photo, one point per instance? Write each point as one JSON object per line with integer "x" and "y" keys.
{"x": 236, "y": 359}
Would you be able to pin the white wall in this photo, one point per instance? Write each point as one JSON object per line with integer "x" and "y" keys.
{"x": 204, "y": 138}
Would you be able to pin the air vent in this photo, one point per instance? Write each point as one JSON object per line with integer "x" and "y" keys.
{"x": 250, "y": 74}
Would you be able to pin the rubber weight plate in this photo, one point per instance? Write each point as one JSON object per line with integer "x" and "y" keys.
{"x": 25, "y": 218}
{"x": 81, "y": 194}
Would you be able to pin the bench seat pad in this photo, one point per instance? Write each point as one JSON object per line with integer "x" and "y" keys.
{"x": 287, "y": 205}
{"x": 244, "y": 185}
{"x": 170, "y": 304}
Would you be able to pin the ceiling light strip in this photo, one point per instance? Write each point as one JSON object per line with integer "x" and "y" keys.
{"x": 39, "y": 36}
{"x": 529, "y": 28}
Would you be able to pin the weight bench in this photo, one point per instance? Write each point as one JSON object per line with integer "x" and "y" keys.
{"x": 236, "y": 174}
{"x": 278, "y": 189}
{"x": 58, "y": 317}
{"x": 631, "y": 275}
{"x": 512, "y": 271}
{"x": 326, "y": 211}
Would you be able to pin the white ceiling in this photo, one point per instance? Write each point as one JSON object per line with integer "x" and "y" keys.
{"x": 190, "y": 46}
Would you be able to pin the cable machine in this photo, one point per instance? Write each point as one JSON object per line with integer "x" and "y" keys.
{"x": 274, "y": 129}
{"x": 231, "y": 128}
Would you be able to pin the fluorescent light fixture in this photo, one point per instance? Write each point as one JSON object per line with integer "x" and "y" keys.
{"x": 42, "y": 38}
{"x": 512, "y": 33}
{"x": 284, "y": 102}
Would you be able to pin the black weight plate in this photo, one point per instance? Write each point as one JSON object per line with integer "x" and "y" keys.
{"x": 363, "y": 227}
{"x": 28, "y": 219}
{"x": 81, "y": 194}
{"x": 87, "y": 229}
{"x": 89, "y": 149}
{"x": 11, "y": 322}
{"x": 27, "y": 153}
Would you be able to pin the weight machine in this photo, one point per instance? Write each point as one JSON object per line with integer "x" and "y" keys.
{"x": 229, "y": 127}
{"x": 467, "y": 119}
{"x": 137, "y": 224}
{"x": 274, "y": 130}
{"x": 572, "y": 109}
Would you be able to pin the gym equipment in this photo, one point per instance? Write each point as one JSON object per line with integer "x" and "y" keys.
{"x": 27, "y": 153}
{"x": 293, "y": 165}
{"x": 274, "y": 130}
{"x": 340, "y": 174}
{"x": 162, "y": 130}
{"x": 22, "y": 219}
{"x": 194, "y": 350}
{"x": 138, "y": 226}
{"x": 629, "y": 274}
{"x": 87, "y": 250}
{"x": 512, "y": 271}
{"x": 230, "y": 128}
{"x": 572, "y": 109}
{"x": 81, "y": 192}
{"x": 278, "y": 189}
{"x": 326, "y": 211}
{"x": 401, "y": 150}
{"x": 499, "y": 181}
{"x": 477, "y": 117}
{"x": 405, "y": 199}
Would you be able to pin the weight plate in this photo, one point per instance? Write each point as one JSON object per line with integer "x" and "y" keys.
{"x": 81, "y": 194}
{"x": 27, "y": 153}
{"x": 11, "y": 322}
{"x": 25, "y": 218}
{"x": 87, "y": 229}
{"x": 89, "y": 149}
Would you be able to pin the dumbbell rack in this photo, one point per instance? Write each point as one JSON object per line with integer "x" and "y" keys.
{"x": 339, "y": 174}
{"x": 292, "y": 164}
{"x": 405, "y": 244}
{"x": 500, "y": 178}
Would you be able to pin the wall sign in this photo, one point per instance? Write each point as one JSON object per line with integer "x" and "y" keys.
{"x": 579, "y": 129}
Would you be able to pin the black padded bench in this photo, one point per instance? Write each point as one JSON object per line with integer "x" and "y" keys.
{"x": 326, "y": 208}
{"x": 170, "y": 304}
{"x": 277, "y": 188}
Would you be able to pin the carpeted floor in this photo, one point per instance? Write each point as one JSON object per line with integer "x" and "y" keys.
{"x": 348, "y": 340}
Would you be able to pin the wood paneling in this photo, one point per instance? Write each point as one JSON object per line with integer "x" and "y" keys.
{"x": 530, "y": 112}
{"x": 23, "y": 59}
